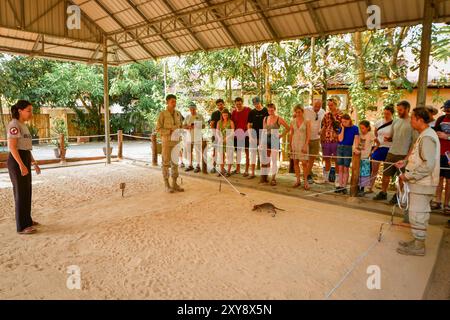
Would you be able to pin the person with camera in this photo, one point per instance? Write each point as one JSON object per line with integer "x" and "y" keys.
{"x": 331, "y": 124}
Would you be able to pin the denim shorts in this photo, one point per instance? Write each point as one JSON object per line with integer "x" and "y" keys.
{"x": 347, "y": 152}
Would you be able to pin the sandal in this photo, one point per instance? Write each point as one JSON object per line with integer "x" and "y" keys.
{"x": 435, "y": 205}
{"x": 296, "y": 185}
{"x": 273, "y": 183}
{"x": 306, "y": 187}
{"x": 35, "y": 224}
{"x": 245, "y": 175}
{"x": 26, "y": 231}
{"x": 252, "y": 177}
{"x": 447, "y": 210}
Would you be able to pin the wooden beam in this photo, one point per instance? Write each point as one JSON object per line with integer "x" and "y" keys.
{"x": 106, "y": 99}
{"x": 266, "y": 22}
{"x": 143, "y": 16}
{"x": 103, "y": 32}
{"x": 224, "y": 26}
{"x": 102, "y": 6}
{"x": 315, "y": 19}
{"x": 16, "y": 16}
{"x": 50, "y": 9}
{"x": 172, "y": 10}
{"x": 422, "y": 84}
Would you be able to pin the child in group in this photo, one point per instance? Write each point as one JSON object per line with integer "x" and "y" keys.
{"x": 367, "y": 140}
{"x": 348, "y": 137}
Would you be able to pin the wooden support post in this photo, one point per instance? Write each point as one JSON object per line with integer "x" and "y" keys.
{"x": 422, "y": 84}
{"x": 356, "y": 163}
{"x": 204, "y": 160}
{"x": 120, "y": 144}
{"x": 154, "y": 150}
{"x": 106, "y": 100}
{"x": 62, "y": 148}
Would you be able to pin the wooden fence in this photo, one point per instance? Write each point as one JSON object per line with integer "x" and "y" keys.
{"x": 39, "y": 121}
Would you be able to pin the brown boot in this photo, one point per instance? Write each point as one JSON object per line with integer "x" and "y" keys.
{"x": 416, "y": 248}
{"x": 176, "y": 187}
{"x": 169, "y": 189}
{"x": 406, "y": 243}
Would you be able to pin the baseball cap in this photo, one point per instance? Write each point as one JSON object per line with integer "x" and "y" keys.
{"x": 256, "y": 100}
{"x": 446, "y": 105}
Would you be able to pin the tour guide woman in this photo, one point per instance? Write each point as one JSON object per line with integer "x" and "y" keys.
{"x": 19, "y": 165}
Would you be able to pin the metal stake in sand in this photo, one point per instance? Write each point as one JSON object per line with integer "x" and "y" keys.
{"x": 122, "y": 187}
{"x": 234, "y": 188}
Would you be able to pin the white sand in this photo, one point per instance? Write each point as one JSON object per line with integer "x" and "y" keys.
{"x": 198, "y": 245}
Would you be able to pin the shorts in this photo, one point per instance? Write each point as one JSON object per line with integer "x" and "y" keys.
{"x": 314, "y": 147}
{"x": 390, "y": 170}
{"x": 246, "y": 143}
{"x": 364, "y": 173}
{"x": 380, "y": 154}
{"x": 445, "y": 168}
{"x": 347, "y": 153}
{"x": 329, "y": 149}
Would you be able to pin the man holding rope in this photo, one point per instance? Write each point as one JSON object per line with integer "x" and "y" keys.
{"x": 169, "y": 121}
{"x": 421, "y": 178}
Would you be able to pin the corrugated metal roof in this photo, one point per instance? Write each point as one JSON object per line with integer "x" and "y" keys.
{"x": 148, "y": 29}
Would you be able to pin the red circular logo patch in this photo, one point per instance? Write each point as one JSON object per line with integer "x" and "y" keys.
{"x": 14, "y": 131}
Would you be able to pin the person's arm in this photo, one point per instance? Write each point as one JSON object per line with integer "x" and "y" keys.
{"x": 160, "y": 126}
{"x": 377, "y": 144}
{"x": 286, "y": 127}
{"x": 308, "y": 136}
{"x": 427, "y": 149}
{"x": 250, "y": 120}
{"x": 291, "y": 133}
{"x": 212, "y": 123}
{"x": 35, "y": 164}
{"x": 12, "y": 145}
{"x": 341, "y": 133}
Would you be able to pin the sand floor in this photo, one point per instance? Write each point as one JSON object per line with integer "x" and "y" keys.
{"x": 203, "y": 244}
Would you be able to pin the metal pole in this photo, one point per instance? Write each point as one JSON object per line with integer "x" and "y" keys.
{"x": 106, "y": 99}
{"x": 422, "y": 83}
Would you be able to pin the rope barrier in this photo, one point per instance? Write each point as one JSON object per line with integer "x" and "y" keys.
{"x": 137, "y": 137}
{"x": 69, "y": 137}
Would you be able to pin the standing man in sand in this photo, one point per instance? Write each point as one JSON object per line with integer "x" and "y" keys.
{"x": 215, "y": 118}
{"x": 331, "y": 124}
{"x": 169, "y": 122}
{"x": 402, "y": 138}
{"x": 422, "y": 176}
{"x": 241, "y": 140}
{"x": 194, "y": 123}
{"x": 315, "y": 116}
{"x": 255, "y": 124}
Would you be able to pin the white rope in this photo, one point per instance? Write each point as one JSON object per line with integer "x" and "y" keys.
{"x": 402, "y": 195}
{"x": 351, "y": 269}
{"x": 137, "y": 137}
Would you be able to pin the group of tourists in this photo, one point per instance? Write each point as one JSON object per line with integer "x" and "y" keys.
{"x": 414, "y": 147}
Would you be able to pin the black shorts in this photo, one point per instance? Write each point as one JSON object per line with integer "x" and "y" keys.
{"x": 246, "y": 143}
{"x": 445, "y": 168}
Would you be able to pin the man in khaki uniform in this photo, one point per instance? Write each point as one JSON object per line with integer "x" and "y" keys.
{"x": 422, "y": 178}
{"x": 169, "y": 121}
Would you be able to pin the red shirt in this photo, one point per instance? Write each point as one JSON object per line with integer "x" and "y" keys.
{"x": 240, "y": 119}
